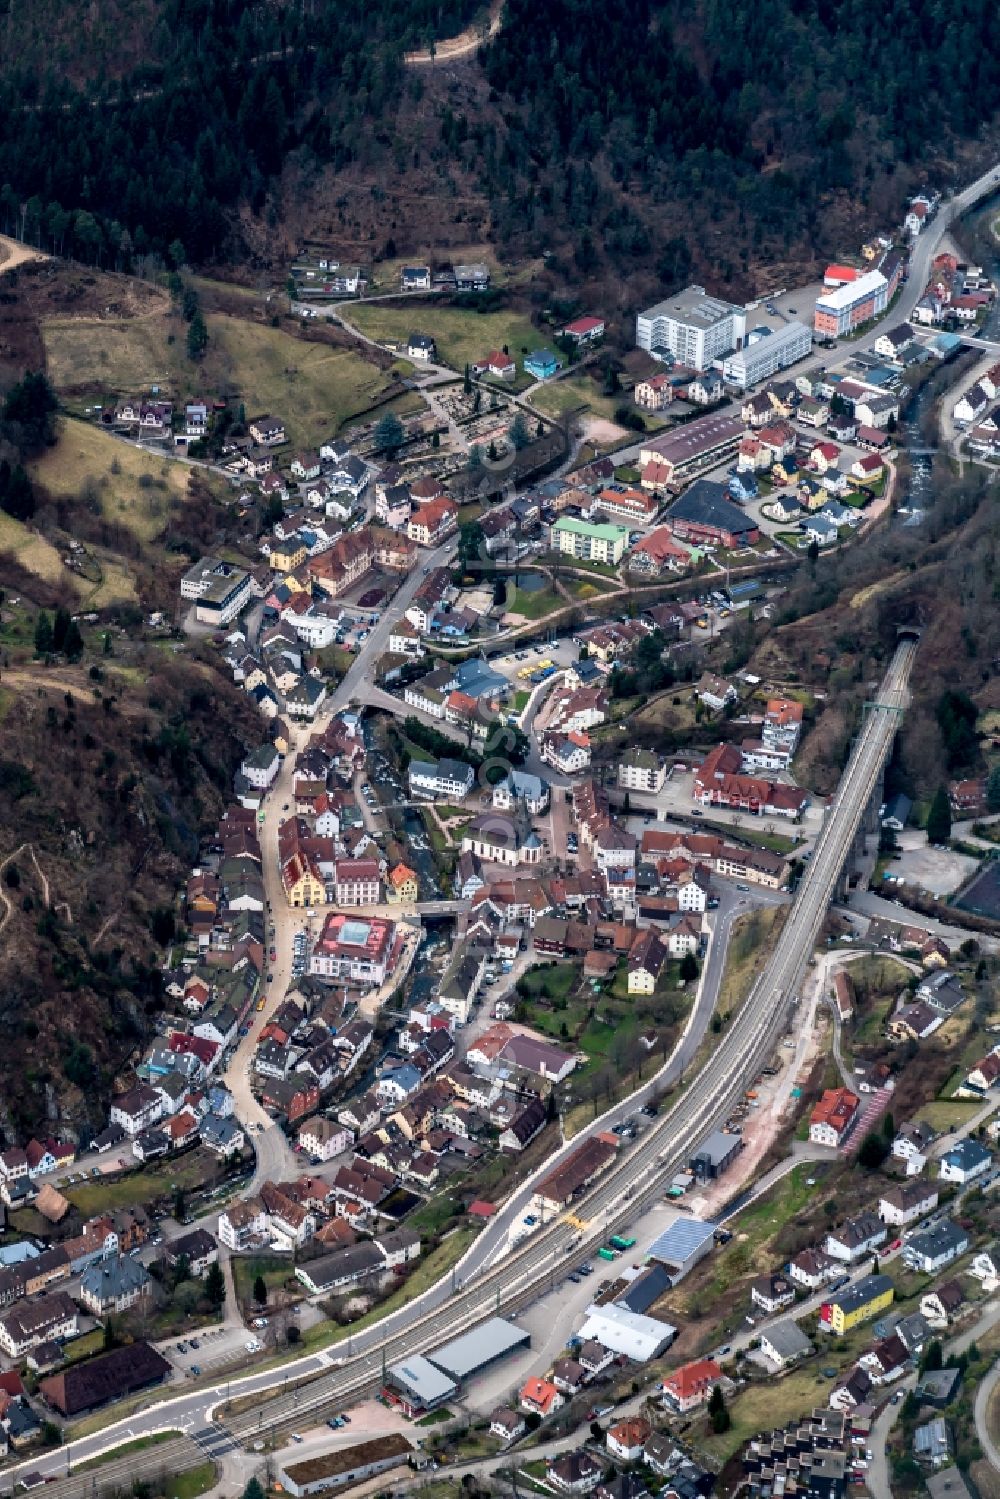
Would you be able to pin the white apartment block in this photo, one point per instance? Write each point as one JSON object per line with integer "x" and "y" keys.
{"x": 692, "y": 326}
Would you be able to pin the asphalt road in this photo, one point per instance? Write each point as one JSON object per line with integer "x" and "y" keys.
{"x": 926, "y": 247}
{"x": 475, "y": 1288}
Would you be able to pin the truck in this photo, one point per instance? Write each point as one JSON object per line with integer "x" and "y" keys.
{"x": 606, "y": 1254}
{"x": 621, "y": 1242}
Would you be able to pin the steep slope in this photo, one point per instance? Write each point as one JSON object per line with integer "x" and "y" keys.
{"x": 104, "y": 787}
{"x": 646, "y": 134}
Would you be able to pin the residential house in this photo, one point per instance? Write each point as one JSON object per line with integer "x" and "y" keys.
{"x": 832, "y": 1118}
{"x": 114, "y": 1284}
{"x": 784, "y": 1343}
{"x": 932, "y": 1249}
{"x": 899, "y": 1206}
{"x": 540, "y": 1396}
{"x": 856, "y": 1237}
{"x": 964, "y": 1162}
{"x": 690, "y": 1386}
{"x": 857, "y": 1303}
{"x": 626, "y": 1440}
{"x": 771, "y": 1293}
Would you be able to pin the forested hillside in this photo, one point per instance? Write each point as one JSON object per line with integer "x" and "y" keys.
{"x": 636, "y": 132}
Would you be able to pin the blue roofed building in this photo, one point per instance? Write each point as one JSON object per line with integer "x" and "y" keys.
{"x": 477, "y": 679}
{"x": 682, "y": 1245}
{"x": 743, "y": 486}
{"x": 542, "y": 364}
{"x": 965, "y": 1161}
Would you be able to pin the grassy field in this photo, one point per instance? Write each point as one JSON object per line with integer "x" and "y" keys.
{"x": 760, "y": 1407}
{"x": 946, "y": 1113}
{"x": 461, "y": 336}
{"x": 313, "y": 386}
{"x": 138, "y": 1187}
{"x": 33, "y": 552}
{"x": 89, "y": 355}
{"x": 134, "y": 488}
{"x": 85, "y": 1346}
{"x": 558, "y": 397}
{"x": 752, "y": 939}
{"x": 275, "y": 1271}
{"x": 191, "y": 1484}
{"x": 583, "y": 589}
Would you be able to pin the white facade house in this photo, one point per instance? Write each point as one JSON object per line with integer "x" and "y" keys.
{"x": 906, "y": 1203}
{"x": 440, "y": 778}
{"x": 520, "y": 787}
{"x": 641, "y": 770}
{"x": 261, "y": 766}
{"x": 971, "y": 405}
{"x": 136, "y": 1110}
{"x": 967, "y": 1160}
{"x": 692, "y": 326}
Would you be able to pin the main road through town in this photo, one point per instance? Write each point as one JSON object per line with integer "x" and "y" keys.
{"x": 483, "y": 1283}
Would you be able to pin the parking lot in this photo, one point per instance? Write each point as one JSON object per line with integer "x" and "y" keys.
{"x": 211, "y": 1348}
{"x": 519, "y": 666}
{"x": 938, "y": 870}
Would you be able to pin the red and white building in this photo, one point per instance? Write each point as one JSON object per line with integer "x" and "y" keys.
{"x": 851, "y": 304}
{"x": 833, "y": 1116}
{"x": 497, "y": 364}
{"x": 584, "y": 330}
{"x": 360, "y": 950}
{"x": 432, "y": 523}
{"x": 719, "y": 783}
{"x": 658, "y": 553}
{"x": 357, "y": 882}
{"x": 690, "y": 1385}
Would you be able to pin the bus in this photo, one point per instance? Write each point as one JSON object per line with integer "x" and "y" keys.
{"x": 606, "y": 1254}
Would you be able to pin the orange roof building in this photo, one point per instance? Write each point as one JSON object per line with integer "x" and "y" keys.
{"x": 691, "y": 1384}
{"x": 833, "y": 1116}
{"x": 540, "y": 1396}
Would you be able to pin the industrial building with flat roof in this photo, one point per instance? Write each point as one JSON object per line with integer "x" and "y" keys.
{"x": 422, "y": 1382}
{"x": 698, "y": 445}
{"x": 418, "y": 1385}
{"x": 345, "y": 1465}
{"x": 478, "y": 1349}
{"x": 682, "y": 1245}
{"x": 715, "y": 1153}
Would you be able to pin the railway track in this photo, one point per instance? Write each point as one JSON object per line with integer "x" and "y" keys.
{"x": 635, "y": 1179}
{"x": 638, "y": 1176}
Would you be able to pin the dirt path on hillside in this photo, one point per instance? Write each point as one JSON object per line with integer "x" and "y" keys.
{"x": 463, "y": 45}
{"x": 13, "y": 254}
{"x": 50, "y": 680}
{"x": 5, "y": 900}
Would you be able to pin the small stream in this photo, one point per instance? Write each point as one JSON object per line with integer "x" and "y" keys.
{"x": 976, "y": 241}
{"x": 910, "y": 439}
